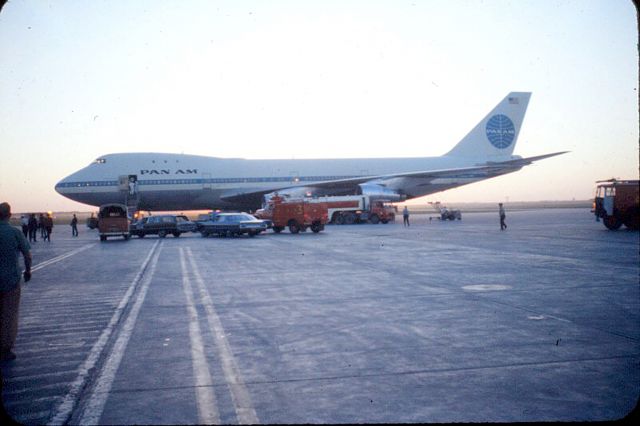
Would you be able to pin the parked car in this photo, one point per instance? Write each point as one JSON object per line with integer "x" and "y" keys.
{"x": 162, "y": 225}
{"x": 113, "y": 221}
{"x": 205, "y": 217}
{"x": 232, "y": 224}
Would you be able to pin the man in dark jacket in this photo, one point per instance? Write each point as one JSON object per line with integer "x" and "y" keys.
{"x": 74, "y": 226}
{"x": 48, "y": 227}
{"x": 503, "y": 215}
{"x": 12, "y": 242}
{"x": 33, "y": 227}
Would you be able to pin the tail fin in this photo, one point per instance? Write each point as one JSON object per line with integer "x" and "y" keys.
{"x": 495, "y": 137}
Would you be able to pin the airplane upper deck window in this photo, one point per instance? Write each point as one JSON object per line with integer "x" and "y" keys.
{"x": 100, "y": 161}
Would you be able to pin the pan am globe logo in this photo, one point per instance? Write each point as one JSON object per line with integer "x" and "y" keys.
{"x": 500, "y": 131}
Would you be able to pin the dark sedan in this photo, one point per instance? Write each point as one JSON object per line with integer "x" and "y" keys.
{"x": 232, "y": 224}
{"x": 162, "y": 225}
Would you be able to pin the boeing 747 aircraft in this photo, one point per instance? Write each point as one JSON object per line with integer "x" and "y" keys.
{"x": 189, "y": 182}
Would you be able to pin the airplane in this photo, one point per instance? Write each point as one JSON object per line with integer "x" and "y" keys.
{"x": 164, "y": 181}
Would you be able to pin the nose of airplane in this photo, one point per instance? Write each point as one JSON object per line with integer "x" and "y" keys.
{"x": 66, "y": 186}
{"x": 61, "y": 185}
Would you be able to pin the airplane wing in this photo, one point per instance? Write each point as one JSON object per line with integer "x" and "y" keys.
{"x": 488, "y": 168}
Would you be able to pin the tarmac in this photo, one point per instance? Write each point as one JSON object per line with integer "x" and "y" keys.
{"x": 437, "y": 322}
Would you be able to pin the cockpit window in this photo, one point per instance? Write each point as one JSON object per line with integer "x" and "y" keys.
{"x": 100, "y": 161}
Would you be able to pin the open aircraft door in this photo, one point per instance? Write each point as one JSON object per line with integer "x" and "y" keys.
{"x": 128, "y": 183}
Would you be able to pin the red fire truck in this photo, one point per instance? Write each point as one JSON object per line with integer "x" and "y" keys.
{"x": 297, "y": 214}
{"x": 350, "y": 209}
{"x": 617, "y": 202}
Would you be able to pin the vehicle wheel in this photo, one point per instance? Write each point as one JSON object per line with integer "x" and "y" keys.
{"x": 294, "y": 228}
{"x": 253, "y": 234}
{"x": 103, "y": 238}
{"x": 374, "y": 219}
{"x": 162, "y": 234}
{"x": 277, "y": 229}
{"x": 339, "y": 220}
{"x": 384, "y": 221}
{"x": 316, "y": 227}
{"x": 140, "y": 235}
{"x": 126, "y": 237}
{"x": 350, "y": 218}
{"x": 176, "y": 234}
{"x": 204, "y": 234}
{"x": 612, "y": 222}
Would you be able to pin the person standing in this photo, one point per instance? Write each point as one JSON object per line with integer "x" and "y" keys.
{"x": 405, "y": 216}
{"x": 74, "y": 226}
{"x": 11, "y": 242}
{"x": 503, "y": 215}
{"x": 33, "y": 227}
{"x": 24, "y": 221}
{"x": 41, "y": 226}
{"x": 48, "y": 227}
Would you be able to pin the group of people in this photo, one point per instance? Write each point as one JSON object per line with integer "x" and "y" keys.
{"x": 31, "y": 224}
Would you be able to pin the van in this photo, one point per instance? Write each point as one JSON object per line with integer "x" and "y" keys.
{"x": 113, "y": 221}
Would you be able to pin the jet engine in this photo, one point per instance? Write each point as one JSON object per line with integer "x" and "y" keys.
{"x": 380, "y": 192}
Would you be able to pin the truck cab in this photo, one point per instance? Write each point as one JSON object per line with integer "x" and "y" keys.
{"x": 617, "y": 202}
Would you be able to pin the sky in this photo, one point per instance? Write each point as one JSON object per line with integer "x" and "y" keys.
{"x": 311, "y": 79}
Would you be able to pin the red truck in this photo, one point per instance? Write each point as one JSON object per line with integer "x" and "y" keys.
{"x": 617, "y": 202}
{"x": 297, "y": 214}
{"x": 350, "y": 209}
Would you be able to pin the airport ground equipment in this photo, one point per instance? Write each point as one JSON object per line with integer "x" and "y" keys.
{"x": 446, "y": 213}
{"x": 113, "y": 221}
{"x": 232, "y": 225}
{"x": 297, "y": 214}
{"x": 617, "y": 202}
{"x": 350, "y": 209}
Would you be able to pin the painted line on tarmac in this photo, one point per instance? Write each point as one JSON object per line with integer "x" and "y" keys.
{"x": 71, "y": 399}
{"x": 243, "y": 406}
{"x": 61, "y": 257}
{"x": 205, "y": 396}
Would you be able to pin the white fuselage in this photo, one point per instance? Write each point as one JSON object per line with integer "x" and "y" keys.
{"x": 188, "y": 182}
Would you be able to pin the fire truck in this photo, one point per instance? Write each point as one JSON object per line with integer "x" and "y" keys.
{"x": 350, "y": 209}
{"x": 617, "y": 202}
{"x": 297, "y": 214}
